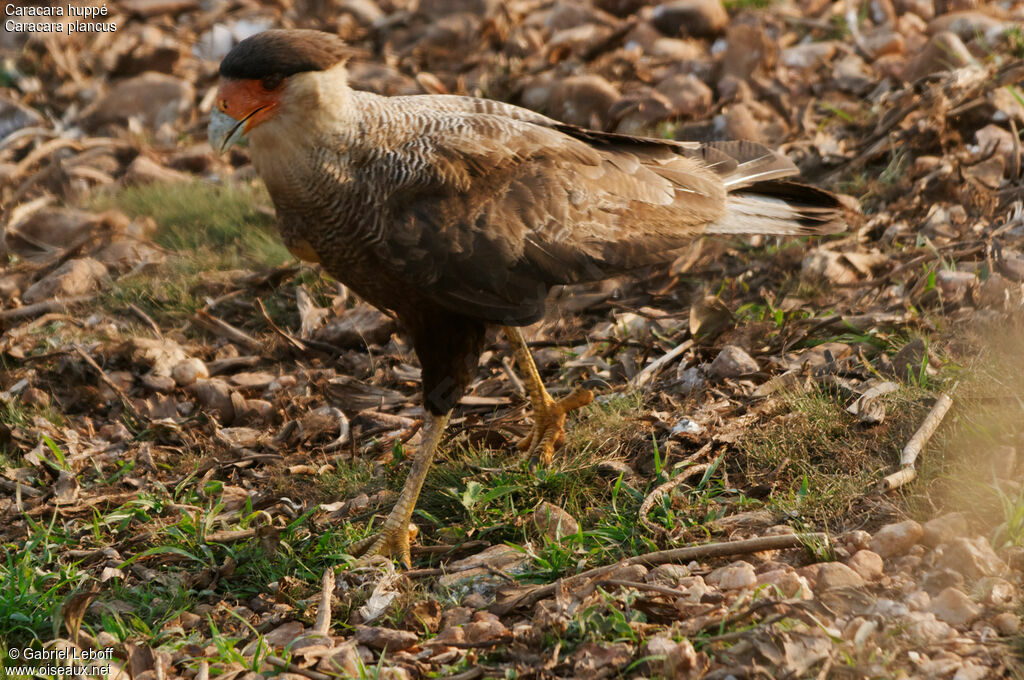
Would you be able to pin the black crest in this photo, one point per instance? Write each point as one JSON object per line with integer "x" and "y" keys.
{"x": 283, "y": 53}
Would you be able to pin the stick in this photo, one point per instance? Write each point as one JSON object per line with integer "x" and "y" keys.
{"x": 43, "y": 308}
{"x": 225, "y": 330}
{"x": 287, "y": 337}
{"x": 323, "y": 614}
{"x": 748, "y": 545}
{"x": 913, "y": 449}
{"x": 652, "y": 369}
{"x": 654, "y": 496}
{"x": 724, "y": 549}
{"x": 146, "y": 318}
{"x": 125, "y": 401}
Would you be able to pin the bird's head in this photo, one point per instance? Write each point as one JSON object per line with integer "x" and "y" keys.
{"x": 269, "y": 75}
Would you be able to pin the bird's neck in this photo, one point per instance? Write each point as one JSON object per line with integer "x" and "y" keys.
{"x": 320, "y": 124}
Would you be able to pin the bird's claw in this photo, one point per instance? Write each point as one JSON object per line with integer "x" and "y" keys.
{"x": 549, "y": 425}
{"x": 386, "y": 543}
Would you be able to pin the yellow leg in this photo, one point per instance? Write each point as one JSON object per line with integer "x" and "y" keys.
{"x": 393, "y": 537}
{"x": 548, "y": 415}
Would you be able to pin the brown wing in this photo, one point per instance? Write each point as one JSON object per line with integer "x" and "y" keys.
{"x": 503, "y": 209}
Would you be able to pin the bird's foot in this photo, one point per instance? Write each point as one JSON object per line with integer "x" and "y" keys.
{"x": 549, "y": 424}
{"x": 388, "y": 542}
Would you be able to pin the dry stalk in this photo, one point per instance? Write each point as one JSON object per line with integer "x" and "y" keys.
{"x": 912, "y": 450}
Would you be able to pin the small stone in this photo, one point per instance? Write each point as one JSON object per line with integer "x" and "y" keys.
{"x": 944, "y": 529}
{"x": 389, "y": 639}
{"x": 477, "y": 632}
{"x": 787, "y": 582}
{"x": 954, "y": 607}
{"x": 75, "y": 277}
{"x": 894, "y": 540}
{"x": 450, "y": 636}
{"x": 472, "y": 569}
{"x": 732, "y": 362}
{"x": 972, "y": 557}
{"x": 925, "y": 628}
{"x": 215, "y": 395}
{"x": 692, "y": 18}
{"x": 343, "y": 659}
{"x": 855, "y": 540}
{"x": 188, "y": 371}
{"x": 1007, "y": 623}
{"x": 554, "y": 522}
{"x": 867, "y": 563}
{"x": 828, "y": 575}
{"x": 584, "y": 100}
{"x": 995, "y": 591}
{"x": 667, "y": 574}
{"x": 692, "y": 590}
{"x": 736, "y": 576}
{"x": 919, "y": 601}
{"x": 629, "y": 572}
{"x": 687, "y": 93}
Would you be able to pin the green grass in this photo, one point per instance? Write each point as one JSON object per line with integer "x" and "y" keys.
{"x": 205, "y": 229}
{"x": 818, "y": 459}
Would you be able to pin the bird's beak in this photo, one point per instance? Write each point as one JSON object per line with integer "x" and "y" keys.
{"x": 240, "y": 106}
{"x": 224, "y": 131}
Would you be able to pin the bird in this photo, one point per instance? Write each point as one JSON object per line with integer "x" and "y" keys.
{"x": 457, "y": 214}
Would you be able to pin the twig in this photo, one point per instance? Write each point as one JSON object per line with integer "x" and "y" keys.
{"x": 292, "y": 668}
{"x": 47, "y": 307}
{"x": 286, "y": 336}
{"x": 145, "y": 318}
{"x": 676, "y": 555}
{"x": 472, "y": 674}
{"x": 651, "y": 587}
{"x": 18, "y": 487}
{"x": 323, "y": 614}
{"x": 912, "y": 450}
{"x": 125, "y": 401}
{"x": 445, "y": 549}
{"x": 654, "y": 496}
{"x": 225, "y": 330}
{"x": 748, "y": 545}
{"x": 517, "y": 384}
{"x": 652, "y": 369}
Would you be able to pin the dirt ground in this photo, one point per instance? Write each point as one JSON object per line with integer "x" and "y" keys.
{"x": 803, "y": 457}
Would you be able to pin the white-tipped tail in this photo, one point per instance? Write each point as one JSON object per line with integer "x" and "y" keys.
{"x": 748, "y": 213}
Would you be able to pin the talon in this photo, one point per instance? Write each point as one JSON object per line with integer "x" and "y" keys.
{"x": 548, "y": 432}
{"x": 386, "y": 543}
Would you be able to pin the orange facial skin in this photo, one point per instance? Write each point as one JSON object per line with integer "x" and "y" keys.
{"x": 249, "y": 101}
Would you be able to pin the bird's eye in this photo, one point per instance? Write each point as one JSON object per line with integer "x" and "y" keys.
{"x": 271, "y": 82}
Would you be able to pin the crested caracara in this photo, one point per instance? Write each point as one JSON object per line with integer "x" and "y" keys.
{"x": 457, "y": 213}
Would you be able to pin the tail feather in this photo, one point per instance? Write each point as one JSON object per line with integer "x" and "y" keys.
{"x": 782, "y": 208}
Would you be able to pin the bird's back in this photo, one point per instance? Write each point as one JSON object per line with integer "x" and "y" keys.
{"x": 481, "y": 206}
